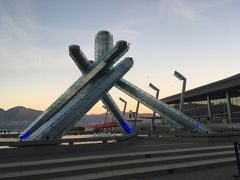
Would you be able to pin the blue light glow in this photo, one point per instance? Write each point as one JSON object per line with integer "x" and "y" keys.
{"x": 197, "y": 125}
{"x": 125, "y": 126}
{"x": 24, "y": 136}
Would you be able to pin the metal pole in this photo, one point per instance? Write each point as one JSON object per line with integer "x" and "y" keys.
{"x": 125, "y": 105}
{"x": 106, "y": 117}
{"x": 105, "y": 120}
{"x": 136, "y": 113}
{"x": 157, "y": 95}
{"x": 112, "y": 123}
{"x": 182, "y": 95}
{"x": 184, "y": 79}
{"x": 124, "y": 109}
{"x": 209, "y": 107}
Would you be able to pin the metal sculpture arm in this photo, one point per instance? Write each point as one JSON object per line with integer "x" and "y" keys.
{"x": 83, "y": 64}
{"x": 81, "y": 103}
{"x": 97, "y": 67}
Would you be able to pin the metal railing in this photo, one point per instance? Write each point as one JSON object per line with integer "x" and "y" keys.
{"x": 70, "y": 141}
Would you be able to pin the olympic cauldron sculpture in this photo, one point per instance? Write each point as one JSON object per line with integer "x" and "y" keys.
{"x": 96, "y": 80}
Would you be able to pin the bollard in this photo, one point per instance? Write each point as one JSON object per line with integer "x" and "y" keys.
{"x": 70, "y": 143}
{"x": 236, "y": 147}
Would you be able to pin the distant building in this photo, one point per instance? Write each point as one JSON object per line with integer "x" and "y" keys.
{"x": 217, "y": 102}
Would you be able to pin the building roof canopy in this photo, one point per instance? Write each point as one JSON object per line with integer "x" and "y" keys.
{"x": 215, "y": 90}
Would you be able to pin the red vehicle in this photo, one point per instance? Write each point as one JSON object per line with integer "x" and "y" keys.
{"x": 105, "y": 125}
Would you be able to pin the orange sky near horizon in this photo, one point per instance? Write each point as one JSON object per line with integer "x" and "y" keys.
{"x": 44, "y": 100}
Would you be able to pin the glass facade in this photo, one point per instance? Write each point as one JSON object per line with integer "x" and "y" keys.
{"x": 217, "y": 112}
{"x": 235, "y": 108}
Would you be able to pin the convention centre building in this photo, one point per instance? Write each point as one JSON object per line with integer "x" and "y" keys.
{"x": 217, "y": 102}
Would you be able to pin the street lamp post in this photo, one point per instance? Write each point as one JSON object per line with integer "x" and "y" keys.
{"x": 184, "y": 79}
{"x": 136, "y": 113}
{"x": 125, "y": 105}
{"x": 105, "y": 120}
{"x": 157, "y": 95}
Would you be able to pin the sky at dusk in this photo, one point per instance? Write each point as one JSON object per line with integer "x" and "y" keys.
{"x": 200, "y": 39}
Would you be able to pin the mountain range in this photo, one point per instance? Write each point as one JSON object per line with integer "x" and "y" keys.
{"x": 19, "y": 117}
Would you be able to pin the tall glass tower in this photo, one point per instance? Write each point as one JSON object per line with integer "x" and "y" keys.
{"x": 103, "y": 43}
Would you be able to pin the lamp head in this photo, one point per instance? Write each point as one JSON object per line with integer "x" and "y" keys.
{"x": 122, "y": 100}
{"x": 153, "y": 87}
{"x": 179, "y": 76}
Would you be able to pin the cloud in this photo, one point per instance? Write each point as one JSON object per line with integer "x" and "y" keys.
{"x": 187, "y": 11}
{"x": 194, "y": 10}
{"x": 191, "y": 11}
{"x": 21, "y": 47}
{"x": 16, "y": 25}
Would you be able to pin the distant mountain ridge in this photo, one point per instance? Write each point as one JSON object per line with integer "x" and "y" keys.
{"x": 19, "y": 117}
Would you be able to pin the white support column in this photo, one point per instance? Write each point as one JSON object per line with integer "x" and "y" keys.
{"x": 229, "y": 107}
{"x": 209, "y": 107}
